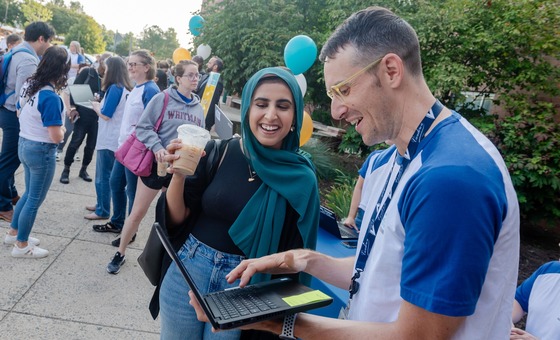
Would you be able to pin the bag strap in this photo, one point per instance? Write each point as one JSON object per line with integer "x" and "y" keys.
{"x": 216, "y": 157}
{"x": 165, "y": 102}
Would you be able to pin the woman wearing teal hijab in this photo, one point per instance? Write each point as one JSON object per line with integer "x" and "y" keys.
{"x": 262, "y": 199}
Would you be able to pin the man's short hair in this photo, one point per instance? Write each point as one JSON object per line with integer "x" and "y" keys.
{"x": 374, "y": 32}
{"x": 38, "y": 29}
{"x": 12, "y": 39}
{"x": 219, "y": 63}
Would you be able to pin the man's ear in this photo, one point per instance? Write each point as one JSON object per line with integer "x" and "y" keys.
{"x": 393, "y": 70}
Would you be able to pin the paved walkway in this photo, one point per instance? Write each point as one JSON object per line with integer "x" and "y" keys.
{"x": 69, "y": 294}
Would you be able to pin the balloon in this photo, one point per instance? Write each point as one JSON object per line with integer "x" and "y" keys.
{"x": 306, "y": 129}
{"x": 204, "y": 51}
{"x": 195, "y": 25}
{"x": 181, "y": 54}
{"x": 300, "y": 53}
{"x": 302, "y": 82}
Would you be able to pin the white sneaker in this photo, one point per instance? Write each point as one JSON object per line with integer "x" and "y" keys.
{"x": 29, "y": 252}
{"x": 77, "y": 158}
{"x": 9, "y": 239}
{"x": 57, "y": 156}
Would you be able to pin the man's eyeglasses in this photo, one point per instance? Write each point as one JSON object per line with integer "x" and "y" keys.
{"x": 339, "y": 90}
{"x": 191, "y": 76}
{"x": 135, "y": 64}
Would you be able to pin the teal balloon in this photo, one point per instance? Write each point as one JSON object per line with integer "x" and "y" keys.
{"x": 195, "y": 25}
{"x": 300, "y": 54}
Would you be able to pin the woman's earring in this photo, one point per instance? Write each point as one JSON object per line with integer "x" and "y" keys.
{"x": 292, "y": 128}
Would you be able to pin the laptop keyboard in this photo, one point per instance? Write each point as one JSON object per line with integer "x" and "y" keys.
{"x": 241, "y": 302}
{"x": 346, "y": 232}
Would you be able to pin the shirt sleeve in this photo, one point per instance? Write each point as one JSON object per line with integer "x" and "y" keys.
{"x": 523, "y": 292}
{"x": 452, "y": 216}
{"x": 50, "y": 106}
{"x": 149, "y": 92}
{"x": 112, "y": 100}
{"x": 145, "y": 127}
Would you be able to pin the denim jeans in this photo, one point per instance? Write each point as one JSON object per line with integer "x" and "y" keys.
{"x": 103, "y": 169}
{"x": 208, "y": 267}
{"x": 123, "y": 184}
{"x": 38, "y": 159}
{"x": 9, "y": 161}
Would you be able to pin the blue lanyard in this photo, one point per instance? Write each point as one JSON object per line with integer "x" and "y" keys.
{"x": 381, "y": 207}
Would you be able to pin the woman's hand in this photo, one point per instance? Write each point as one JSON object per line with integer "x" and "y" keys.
{"x": 172, "y": 154}
{"x": 96, "y": 106}
{"x": 160, "y": 155}
{"x": 288, "y": 262}
{"x": 519, "y": 334}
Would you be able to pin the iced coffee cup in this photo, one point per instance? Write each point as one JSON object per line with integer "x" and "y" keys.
{"x": 194, "y": 140}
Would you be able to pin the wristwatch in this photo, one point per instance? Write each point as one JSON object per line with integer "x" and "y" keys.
{"x": 288, "y": 327}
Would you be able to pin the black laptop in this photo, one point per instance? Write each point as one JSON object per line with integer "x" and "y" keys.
{"x": 236, "y": 307}
{"x": 81, "y": 95}
{"x": 329, "y": 222}
{"x": 222, "y": 124}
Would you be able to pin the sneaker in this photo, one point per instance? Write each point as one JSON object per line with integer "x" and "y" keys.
{"x": 117, "y": 242}
{"x": 57, "y": 156}
{"x": 77, "y": 158}
{"x": 116, "y": 263}
{"x": 29, "y": 252}
{"x": 9, "y": 239}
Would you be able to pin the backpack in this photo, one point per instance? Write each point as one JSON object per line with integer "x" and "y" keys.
{"x": 4, "y": 68}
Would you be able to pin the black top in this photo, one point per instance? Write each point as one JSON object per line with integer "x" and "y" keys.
{"x": 224, "y": 199}
{"x": 214, "y": 208}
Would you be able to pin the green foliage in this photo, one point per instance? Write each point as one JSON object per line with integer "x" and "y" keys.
{"x": 530, "y": 142}
{"x": 10, "y": 13}
{"x": 88, "y": 33}
{"x": 339, "y": 197}
{"x": 321, "y": 158}
{"x": 34, "y": 11}
{"x": 63, "y": 18}
{"x": 161, "y": 43}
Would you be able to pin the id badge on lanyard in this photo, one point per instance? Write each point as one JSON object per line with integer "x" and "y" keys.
{"x": 381, "y": 206}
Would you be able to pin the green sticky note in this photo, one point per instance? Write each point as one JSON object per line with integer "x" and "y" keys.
{"x": 305, "y": 298}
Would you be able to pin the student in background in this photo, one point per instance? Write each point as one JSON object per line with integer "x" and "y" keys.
{"x": 41, "y": 129}
{"x": 539, "y": 298}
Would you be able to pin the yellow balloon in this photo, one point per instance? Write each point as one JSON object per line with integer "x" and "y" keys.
{"x": 181, "y": 54}
{"x": 306, "y": 129}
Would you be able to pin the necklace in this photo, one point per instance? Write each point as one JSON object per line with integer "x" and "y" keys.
{"x": 252, "y": 174}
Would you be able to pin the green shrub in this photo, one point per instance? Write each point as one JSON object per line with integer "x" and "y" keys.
{"x": 339, "y": 197}
{"x": 322, "y": 158}
{"x": 529, "y": 140}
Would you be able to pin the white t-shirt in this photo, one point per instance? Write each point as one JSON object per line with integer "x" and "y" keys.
{"x": 112, "y": 106}
{"x": 137, "y": 100}
{"x": 539, "y": 296}
{"x": 40, "y": 111}
{"x": 449, "y": 241}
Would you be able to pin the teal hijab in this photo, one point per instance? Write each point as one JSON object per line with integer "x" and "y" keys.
{"x": 288, "y": 178}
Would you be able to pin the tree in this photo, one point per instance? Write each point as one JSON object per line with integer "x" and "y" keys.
{"x": 10, "y": 13}
{"x": 34, "y": 11}
{"x": 161, "y": 43}
{"x": 88, "y": 33}
{"x": 63, "y": 18}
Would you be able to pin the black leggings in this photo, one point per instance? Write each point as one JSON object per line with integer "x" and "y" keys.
{"x": 86, "y": 125}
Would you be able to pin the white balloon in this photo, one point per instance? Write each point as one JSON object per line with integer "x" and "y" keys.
{"x": 204, "y": 51}
{"x": 302, "y": 82}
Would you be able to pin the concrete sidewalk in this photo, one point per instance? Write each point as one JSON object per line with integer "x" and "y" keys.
{"x": 69, "y": 294}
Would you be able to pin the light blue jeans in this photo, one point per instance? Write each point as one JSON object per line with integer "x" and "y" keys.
{"x": 38, "y": 160}
{"x": 103, "y": 168}
{"x": 208, "y": 267}
{"x": 123, "y": 184}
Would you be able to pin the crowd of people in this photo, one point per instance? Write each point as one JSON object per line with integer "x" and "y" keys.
{"x": 437, "y": 212}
